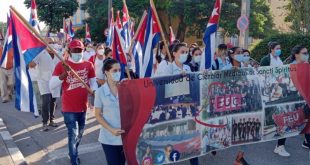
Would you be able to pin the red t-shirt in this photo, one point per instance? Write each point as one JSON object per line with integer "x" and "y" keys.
{"x": 74, "y": 94}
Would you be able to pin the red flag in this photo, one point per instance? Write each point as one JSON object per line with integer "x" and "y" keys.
{"x": 87, "y": 37}
{"x": 172, "y": 36}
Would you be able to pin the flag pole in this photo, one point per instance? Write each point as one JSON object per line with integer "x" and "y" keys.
{"x": 138, "y": 29}
{"x": 49, "y": 47}
{"x": 161, "y": 30}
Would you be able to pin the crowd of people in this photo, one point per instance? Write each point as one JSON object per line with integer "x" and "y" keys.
{"x": 95, "y": 66}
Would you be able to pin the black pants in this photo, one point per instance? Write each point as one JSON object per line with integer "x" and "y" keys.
{"x": 114, "y": 154}
{"x": 281, "y": 142}
{"x": 48, "y": 108}
{"x": 307, "y": 136}
{"x": 194, "y": 161}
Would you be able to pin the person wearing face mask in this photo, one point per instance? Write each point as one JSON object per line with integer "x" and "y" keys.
{"x": 97, "y": 61}
{"x": 300, "y": 55}
{"x": 107, "y": 113}
{"x": 195, "y": 64}
{"x": 222, "y": 62}
{"x": 108, "y": 52}
{"x": 246, "y": 58}
{"x": 89, "y": 51}
{"x": 273, "y": 59}
{"x": 190, "y": 57}
{"x": 236, "y": 57}
{"x": 74, "y": 94}
{"x": 179, "y": 56}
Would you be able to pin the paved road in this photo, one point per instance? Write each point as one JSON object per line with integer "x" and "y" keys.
{"x": 50, "y": 147}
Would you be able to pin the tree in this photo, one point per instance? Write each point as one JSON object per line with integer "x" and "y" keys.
{"x": 192, "y": 15}
{"x": 299, "y": 15}
{"x": 52, "y": 12}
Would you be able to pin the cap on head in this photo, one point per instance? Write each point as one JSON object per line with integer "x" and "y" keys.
{"x": 76, "y": 44}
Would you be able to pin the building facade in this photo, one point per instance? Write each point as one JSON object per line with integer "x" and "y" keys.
{"x": 79, "y": 16}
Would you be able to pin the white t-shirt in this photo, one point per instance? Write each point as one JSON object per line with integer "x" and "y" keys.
{"x": 275, "y": 61}
{"x": 166, "y": 68}
{"x": 87, "y": 55}
{"x": 98, "y": 68}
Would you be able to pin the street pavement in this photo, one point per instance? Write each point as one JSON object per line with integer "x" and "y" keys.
{"x": 50, "y": 148}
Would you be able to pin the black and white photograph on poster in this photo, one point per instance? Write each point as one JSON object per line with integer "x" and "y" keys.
{"x": 285, "y": 119}
{"x": 276, "y": 86}
{"x": 246, "y": 128}
{"x": 176, "y": 99}
{"x": 214, "y": 138}
{"x": 231, "y": 96}
{"x": 161, "y": 140}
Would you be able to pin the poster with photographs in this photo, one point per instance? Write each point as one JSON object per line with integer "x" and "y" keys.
{"x": 246, "y": 128}
{"x": 164, "y": 142}
{"x": 175, "y": 118}
{"x": 284, "y": 120}
{"x": 214, "y": 138}
{"x": 277, "y": 86}
{"x": 224, "y": 95}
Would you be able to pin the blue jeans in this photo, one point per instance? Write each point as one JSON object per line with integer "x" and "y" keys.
{"x": 75, "y": 123}
{"x": 114, "y": 154}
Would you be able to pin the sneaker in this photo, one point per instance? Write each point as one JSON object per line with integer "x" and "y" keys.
{"x": 280, "y": 150}
{"x": 52, "y": 124}
{"x": 305, "y": 145}
{"x": 213, "y": 153}
{"x": 45, "y": 128}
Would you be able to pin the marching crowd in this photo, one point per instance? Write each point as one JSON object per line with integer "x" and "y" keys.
{"x": 96, "y": 67}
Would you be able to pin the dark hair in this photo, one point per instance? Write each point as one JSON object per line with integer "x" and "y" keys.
{"x": 161, "y": 45}
{"x": 272, "y": 45}
{"x": 296, "y": 50}
{"x": 222, "y": 47}
{"x": 108, "y": 63}
{"x": 246, "y": 50}
{"x": 195, "y": 49}
{"x": 107, "y": 51}
{"x": 232, "y": 51}
{"x": 100, "y": 44}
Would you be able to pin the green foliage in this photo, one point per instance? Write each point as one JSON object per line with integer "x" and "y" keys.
{"x": 299, "y": 15}
{"x": 80, "y": 33}
{"x": 52, "y": 12}
{"x": 287, "y": 41}
{"x": 192, "y": 15}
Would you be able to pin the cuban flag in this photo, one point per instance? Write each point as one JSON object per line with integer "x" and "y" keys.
{"x": 209, "y": 37}
{"x": 126, "y": 26}
{"x": 118, "y": 52}
{"x": 111, "y": 30}
{"x": 172, "y": 36}
{"x": 6, "y": 58}
{"x": 87, "y": 37}
{"x": 34, "y": 22}
{"x": 26, "y": 47}
{"x": 70, "y": 30}
{"x": 147, "y": 39}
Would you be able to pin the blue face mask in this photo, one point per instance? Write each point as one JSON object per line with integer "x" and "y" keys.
{"x": 183, "y": 58}
{"x": 246, "y": 58}
{"x": 278, "y": 52}
{"x": 116, "y": 76}
{"x": 239, "y": 57}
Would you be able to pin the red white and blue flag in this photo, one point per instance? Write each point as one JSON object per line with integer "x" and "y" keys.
{"x": 34, "y": 22}
{"x": 118, "y": 52}
{"x": 126, "y": 26}
{"x": 26, "y": 47}
{"x": 111, "y": 30}
{"x": 6, "y": 58}
{"x": 87, "y": 36}
{"x": 209, "y": 37}
{"x": 147, "y": 39}
{"x": 70, "y": 30}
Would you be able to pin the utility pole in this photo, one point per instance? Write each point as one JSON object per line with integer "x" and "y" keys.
{"x": 244, "y": 35}
{"x": 109, "y": 11}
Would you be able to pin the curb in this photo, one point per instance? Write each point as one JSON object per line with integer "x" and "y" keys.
{"x": 16, "y": 156}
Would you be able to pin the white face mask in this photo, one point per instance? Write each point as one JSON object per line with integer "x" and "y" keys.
{"x": 100, "y": 52}
{"x": 183, "y": 58}
{"x": 88, "y": 49}
{"x": 305, "y": 58}
{"x": 77, "y": 57}
{"x": 116, "y": 77}
{"x": 197, "y": 59}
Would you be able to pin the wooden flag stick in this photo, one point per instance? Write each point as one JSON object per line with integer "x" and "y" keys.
{"x": 161, "y": 30}
{"x": 50, "y": 48}
{"x": 137, "y": 31}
